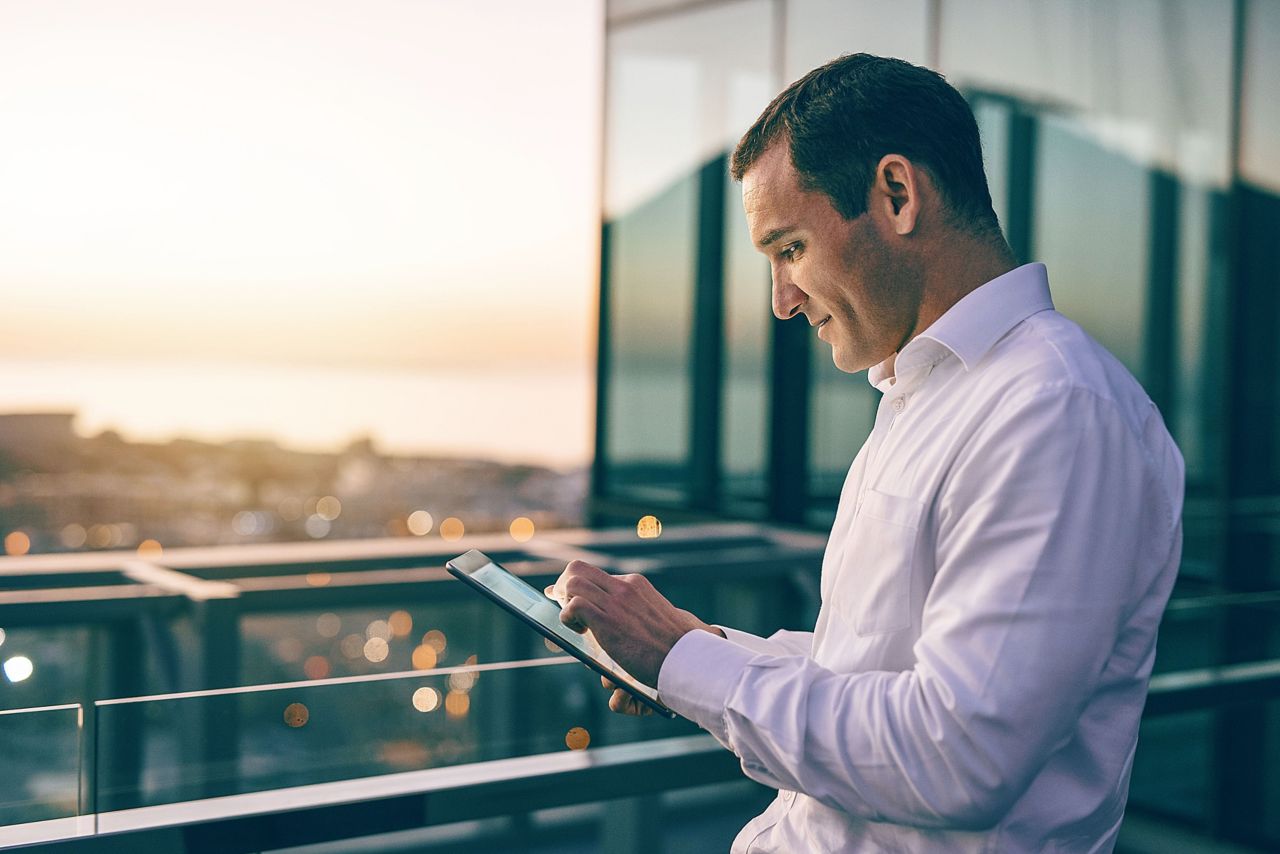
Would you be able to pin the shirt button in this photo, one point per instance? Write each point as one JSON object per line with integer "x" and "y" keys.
{"x": 899, "y": 404}
{"x": 788, "y": 797}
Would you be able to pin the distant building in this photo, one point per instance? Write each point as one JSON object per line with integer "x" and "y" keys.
{"x": 39, "y": 440}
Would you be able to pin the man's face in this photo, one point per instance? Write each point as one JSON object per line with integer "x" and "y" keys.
{"x": 849, "y": 278}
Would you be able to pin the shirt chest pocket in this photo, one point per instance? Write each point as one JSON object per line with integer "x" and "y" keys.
{"x": 872, "y": 591}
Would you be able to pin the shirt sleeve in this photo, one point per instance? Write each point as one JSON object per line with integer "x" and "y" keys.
{"x": 779, "y": 643}
{"x": 1041, "y": 528}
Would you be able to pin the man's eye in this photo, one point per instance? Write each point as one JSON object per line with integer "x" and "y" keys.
{"x": 789, "y": 253}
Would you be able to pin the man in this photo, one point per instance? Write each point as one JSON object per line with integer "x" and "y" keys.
{"x": 1006, "y": 539}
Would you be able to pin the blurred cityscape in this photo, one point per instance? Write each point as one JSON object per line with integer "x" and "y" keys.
{"x": 63, "y": 492}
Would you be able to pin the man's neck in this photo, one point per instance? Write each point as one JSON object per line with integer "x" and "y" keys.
{"x": 960, "y": 265}
{"x": 957, "y": 268}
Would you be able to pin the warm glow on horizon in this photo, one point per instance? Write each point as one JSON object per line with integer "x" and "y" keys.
{"x": 282, "y": 185}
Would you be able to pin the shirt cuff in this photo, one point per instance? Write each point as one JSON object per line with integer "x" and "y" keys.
{"x": 752, "y": 642}
{"x": 698, "y": 676}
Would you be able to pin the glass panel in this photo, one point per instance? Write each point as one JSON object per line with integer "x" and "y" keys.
{"x": 41, "y": 779}
{"x": 1173, "y": 767}
{"x": 679, "y": 96}
{"x": 1096, "y": 253}
{"x": 747, "y": 315}
{"x": 56, "y": 662}
{"x": 1259, "y": 110}
{"x": 182, "y": 747}
{"x": 843, "y": 409}
{"x": 993, "y": 127}
{"x": 1259, "y": 194}
{"x": 820, "y": 30}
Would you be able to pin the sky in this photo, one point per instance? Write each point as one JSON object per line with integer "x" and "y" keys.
{"x": 400, "y": 186}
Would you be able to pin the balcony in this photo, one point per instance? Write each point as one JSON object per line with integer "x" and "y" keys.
{"x": 177, "y": 741}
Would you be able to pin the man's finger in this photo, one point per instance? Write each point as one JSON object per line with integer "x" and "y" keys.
{"x": 625, "y": 704}
{"x": 609, "y": 684}
{"x": 578, "y": 614}
{"x": 583, "y": 572}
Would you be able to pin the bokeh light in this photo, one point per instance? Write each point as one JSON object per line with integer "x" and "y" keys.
{"x": 452, "y": 529}
{"x": 316, "y": 526}
{"x": 649, "y": 528}
{"x": 150, "y": 548}
{"x": 316, "y": 667}
{"x": 426, "y": 699}
{"x": 463, "y": 682}
{"x": 404, "y": 753}
{"x": 290, "y": 509}
{"x": 319, "y": 579}
{"x": 420, "y": 523}
{"x": 289, "y": 649}
{"x": 2, "y": 636}
{"x": 436, "y": 640}
{"x": 74, "y": 536}
{"x": 401, "y": 623}
{"x": 376, "y": 650}
{"x": 328, "y": 625}
{"x": 457, "y": 704}
{"x": 328, "y": 508}
{"x": 378, "y": 629}
{"x": 296, "y": 715}
{"x": 18, "y": 669}
{"x": 577, "y": 738}
{"x": 424, "y": 657}
{"x": 352, "y": 646}
{"x": 521, "y": 529}
{"x": 17, "y": 543}
{"x": 552, "y": 646}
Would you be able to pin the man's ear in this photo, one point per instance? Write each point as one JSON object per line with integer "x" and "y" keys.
{"x": 896, "y": 189}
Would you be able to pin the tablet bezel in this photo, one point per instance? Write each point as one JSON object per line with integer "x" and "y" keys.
{"x": 474, "y": 560}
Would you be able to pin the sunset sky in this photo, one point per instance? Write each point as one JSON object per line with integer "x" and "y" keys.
{"x": 410, "y": 186}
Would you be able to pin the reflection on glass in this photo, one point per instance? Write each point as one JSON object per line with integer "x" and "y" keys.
{"x": 843, "y": 409}
{"x": 680, "y": 95}
{"x": 41, "y": 750}
{"x": 1097, "y": 261}
{"x": 747, "y": 312}
{"x": 188, "y": 746}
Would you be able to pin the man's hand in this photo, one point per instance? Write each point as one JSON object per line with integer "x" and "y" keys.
{"x": 633, "y": 622}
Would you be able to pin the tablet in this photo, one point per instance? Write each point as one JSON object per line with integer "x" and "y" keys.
{"x": 543, "y": 614}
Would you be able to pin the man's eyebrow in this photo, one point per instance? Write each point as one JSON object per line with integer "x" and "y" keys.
{"x": 773, "y": 235}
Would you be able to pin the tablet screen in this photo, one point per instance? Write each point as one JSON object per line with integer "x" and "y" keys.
{"x": 530, "y": 602}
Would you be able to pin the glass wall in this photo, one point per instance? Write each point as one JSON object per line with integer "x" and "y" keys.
{"x": 1134, "y": 147}
{"x": 677, "y": 97}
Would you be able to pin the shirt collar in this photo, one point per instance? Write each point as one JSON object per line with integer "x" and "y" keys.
{"x": 973, "y": 325}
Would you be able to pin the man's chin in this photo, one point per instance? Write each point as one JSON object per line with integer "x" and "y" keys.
{"x": 843, "y": 362}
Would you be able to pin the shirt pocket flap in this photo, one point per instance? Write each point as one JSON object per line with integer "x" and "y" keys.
{"x": 873, "y": 589}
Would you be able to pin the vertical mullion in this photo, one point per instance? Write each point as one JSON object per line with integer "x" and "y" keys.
{"x": 706, "y": 388}
{"x": 600, "y": 460}
{"x": 789, "y": 394}
{"x": 1021, "y": 183}
{"x": 1159, "y": 336}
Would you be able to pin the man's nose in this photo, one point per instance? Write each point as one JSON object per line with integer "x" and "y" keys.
{"x": 787, "y": 298}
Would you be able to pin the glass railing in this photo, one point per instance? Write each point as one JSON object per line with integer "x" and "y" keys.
{"x": 188, "y": 747}
{"x": 40, "y": 772}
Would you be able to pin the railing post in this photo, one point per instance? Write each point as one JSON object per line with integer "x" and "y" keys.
{"x": 87, "y": 806}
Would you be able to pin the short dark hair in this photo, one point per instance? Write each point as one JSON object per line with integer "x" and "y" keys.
{"x": 842, "y": 117}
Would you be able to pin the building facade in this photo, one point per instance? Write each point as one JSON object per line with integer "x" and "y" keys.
{"x": 1134, "y": 147}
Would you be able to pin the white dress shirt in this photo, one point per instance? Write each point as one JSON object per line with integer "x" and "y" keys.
{"x": 1005, "y": 544}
